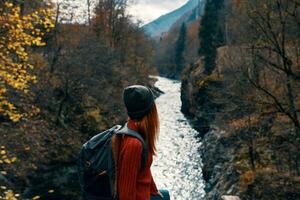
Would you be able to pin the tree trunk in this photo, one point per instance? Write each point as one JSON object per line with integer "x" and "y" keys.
{"x": 251, "y": 155}
{"x": 89, "y": 11}
{"x": 292, "y": 104}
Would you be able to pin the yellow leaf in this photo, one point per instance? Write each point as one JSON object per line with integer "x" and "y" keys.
{"x": 50, "y": 191}
{"x": 36, "y": 197}
{"x": 3, "y": 187}
{"x": 7, "y": 161}
{"x": 3, "y": 172}
{"x": 8, "y": 5}
{"x": 3, "y": 152}
{"x": 14, "y": 159}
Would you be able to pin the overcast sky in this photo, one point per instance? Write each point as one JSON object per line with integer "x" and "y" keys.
{"x": 148, "y": 10}
{"x": 143, "y": 10}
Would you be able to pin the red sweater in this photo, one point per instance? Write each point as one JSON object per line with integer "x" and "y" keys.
{"x": 134, "y": 183}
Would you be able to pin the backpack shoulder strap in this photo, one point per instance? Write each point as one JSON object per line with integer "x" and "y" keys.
{"x": 125, "y": 130}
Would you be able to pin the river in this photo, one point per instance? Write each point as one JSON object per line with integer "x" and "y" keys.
{"x": 177, "y": 166}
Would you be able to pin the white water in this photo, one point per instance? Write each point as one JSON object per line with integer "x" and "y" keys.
{"x": 177, "y": 166}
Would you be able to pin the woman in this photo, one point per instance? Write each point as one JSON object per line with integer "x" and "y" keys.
{"x": 133, "y": 181}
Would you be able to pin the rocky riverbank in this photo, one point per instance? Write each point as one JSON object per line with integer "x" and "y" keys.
{"x": 243, "y": 154}
{"x": 217, "y": 149}
{"x": 218, "y": 172}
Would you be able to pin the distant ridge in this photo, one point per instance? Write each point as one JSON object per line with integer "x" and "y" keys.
{"x": 165, "y": 22}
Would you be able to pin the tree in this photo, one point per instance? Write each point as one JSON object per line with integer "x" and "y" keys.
{"x": 18, "y": 33}
{"x": 275, "y": 52}
{"x": 210, "y": 34}
{"x": 109, "y": 19}
{"x": 180, "y": 48}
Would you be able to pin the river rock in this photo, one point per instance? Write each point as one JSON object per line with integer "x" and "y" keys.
{"x": 226, "y": 197}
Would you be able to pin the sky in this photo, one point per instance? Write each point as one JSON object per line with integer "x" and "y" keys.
{"x": 140, "y": 10}
{"x": 148, "y": 10}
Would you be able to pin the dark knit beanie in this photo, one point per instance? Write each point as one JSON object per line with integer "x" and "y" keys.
{"x": 138, "y": 100}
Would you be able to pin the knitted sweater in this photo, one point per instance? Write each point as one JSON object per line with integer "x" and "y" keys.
{"x": 134, "y": 183}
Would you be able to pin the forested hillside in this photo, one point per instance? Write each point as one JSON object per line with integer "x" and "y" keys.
{"x": 60, "y": 83}
{"x": 178, "y": 47}
{"x": 243, "y": 96}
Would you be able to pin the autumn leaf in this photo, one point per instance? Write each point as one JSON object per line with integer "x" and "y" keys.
{"x": 36, "y": 197}
{"x": 3, "y": 172}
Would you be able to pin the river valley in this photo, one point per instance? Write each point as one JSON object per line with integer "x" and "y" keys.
{"x": 177, "y": 166}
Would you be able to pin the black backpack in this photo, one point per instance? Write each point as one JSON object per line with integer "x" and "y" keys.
{"x": 96, "y": 166}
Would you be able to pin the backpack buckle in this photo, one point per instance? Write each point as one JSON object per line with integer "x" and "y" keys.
{"x": 87, "y": 164}
{"x": 102, "y": 173}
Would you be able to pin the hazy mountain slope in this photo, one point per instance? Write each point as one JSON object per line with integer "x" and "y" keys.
{"x": 165, "y": 22}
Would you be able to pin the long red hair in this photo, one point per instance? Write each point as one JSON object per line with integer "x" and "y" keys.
{"x": 148, "y": 127}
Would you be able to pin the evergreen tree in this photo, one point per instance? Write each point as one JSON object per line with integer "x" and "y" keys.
{"x": 210, "y": 34}
{"x": 180, "y": 48}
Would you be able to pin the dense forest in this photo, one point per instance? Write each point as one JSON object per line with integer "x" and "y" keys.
{"x": 61, "y": 82}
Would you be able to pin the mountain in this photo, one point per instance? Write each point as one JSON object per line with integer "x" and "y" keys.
{"x": 165, "y": 22}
